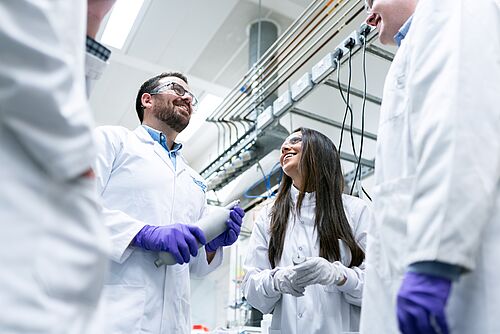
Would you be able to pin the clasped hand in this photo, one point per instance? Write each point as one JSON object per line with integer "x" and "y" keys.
{"x": 315, "y": 270}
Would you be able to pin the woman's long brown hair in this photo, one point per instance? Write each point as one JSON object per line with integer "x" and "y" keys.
{"x": 322, "y": 173}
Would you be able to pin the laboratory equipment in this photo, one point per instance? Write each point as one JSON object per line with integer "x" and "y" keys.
{"x": 212, "y": 226}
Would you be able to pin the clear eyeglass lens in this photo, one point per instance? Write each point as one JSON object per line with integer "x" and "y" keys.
{"x": 293, "y": 141}
{"x": 178, "y": 89}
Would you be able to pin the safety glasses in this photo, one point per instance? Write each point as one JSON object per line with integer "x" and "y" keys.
{"x": 178, "y": 89}
{"x": 292, "y": 140}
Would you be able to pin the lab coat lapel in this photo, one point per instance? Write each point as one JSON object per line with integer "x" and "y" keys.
{"x": 159, "y": 150}
{"x": 181, "y": 164}
{"x": 162, "y": 153}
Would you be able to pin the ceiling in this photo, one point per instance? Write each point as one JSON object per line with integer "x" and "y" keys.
{"x": 208, "y": 41}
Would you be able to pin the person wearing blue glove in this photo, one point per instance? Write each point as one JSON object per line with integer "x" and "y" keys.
{"x": 436, "y": 234}
{"x": 151, "y": 202}
{"x": 421, "y": 304}
{"x": 305, "y": 258}
{"x": 228, "y": 237}
{"x": 178, "y": 239}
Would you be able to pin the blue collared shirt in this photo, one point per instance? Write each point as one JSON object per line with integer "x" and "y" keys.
{"x": 162, "y": 140}
{"x": 403, "y": 31}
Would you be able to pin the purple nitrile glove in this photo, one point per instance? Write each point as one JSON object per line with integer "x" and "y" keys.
{"x": 421, "y": 304}
{"x": 230, "y": 235}
{"x": 178, "y": 239}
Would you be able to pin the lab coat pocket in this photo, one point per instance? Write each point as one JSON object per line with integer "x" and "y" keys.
{"x": 124, "y": 308}
{"x": 181, "y": 306}
{"x": 388, "y": 238}
{"x": 274, "y": 331}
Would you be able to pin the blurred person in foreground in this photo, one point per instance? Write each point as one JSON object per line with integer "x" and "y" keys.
{"x": 52, "y": 245}
{"x": 434, "y": 243}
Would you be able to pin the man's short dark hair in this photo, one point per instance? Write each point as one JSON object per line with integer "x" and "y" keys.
{"x": 149, "y": 85}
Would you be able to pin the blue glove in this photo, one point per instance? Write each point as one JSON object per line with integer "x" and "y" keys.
{"x": 421, "y": 304}
{"x": 178, "y": 239}
{"x": 230, "y": 235}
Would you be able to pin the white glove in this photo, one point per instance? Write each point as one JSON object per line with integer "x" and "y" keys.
{"x": 317, "y": 270}
{"x": 284, "y": 282}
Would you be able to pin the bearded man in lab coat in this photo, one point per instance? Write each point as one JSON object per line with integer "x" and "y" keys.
{"x": 151, "y": 202}
{"x": 52, "y": 244}
{"x": 433, "y": 250}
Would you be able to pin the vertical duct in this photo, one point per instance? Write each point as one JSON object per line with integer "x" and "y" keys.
{"x": 262, "y": 34}
{"x": 268, "y": 35}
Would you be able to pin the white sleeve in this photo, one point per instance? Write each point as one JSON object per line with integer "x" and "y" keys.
{"x": 199, "y": 266}
{"x": 121, "y": 227}
{"x": 94, "y": 68}
{"x": 42, "y": 83}
{"x": 454, "y": 85}
{"x": 258, "y": 282}
{"x": 361, "y": 217}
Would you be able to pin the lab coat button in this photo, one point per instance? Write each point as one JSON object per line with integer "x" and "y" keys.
{"x": 300, "y": 248}
{"x": 299, "y": 315}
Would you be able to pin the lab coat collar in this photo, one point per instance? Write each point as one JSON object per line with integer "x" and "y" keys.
{"x": 309, "y": 198}
{"x": 144, "y": 135}
{"x": 161, "y": 138}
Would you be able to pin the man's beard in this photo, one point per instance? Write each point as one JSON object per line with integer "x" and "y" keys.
{"x": 167, "y": 114}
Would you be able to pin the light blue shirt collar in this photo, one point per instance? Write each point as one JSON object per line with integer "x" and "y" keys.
{"x": 159, "y": 137}
{"x": 162, "y": 140}
{"x": 398, "y": 38}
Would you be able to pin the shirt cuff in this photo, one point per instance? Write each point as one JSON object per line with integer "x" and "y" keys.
{"x": 122, "y": 247}
{"x": 435, "y": 268}
{"x": 97, "y": 49}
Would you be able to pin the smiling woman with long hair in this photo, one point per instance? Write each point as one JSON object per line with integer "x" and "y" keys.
{"x": 305, "y": 260}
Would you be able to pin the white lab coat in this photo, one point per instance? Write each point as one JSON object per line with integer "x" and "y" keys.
{"x": 437, "y": 194}
{"x": 328, "y": 309}
{"x": 138, "y": 186}
{"x": 52, "y": 244}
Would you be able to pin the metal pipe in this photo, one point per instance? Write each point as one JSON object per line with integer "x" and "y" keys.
{"x": 286, "y": 70}
{"x": 295, "y": 51}
{"x": 313, "y": 6}
{"x": 258, "y": 68}
{"x": 329, "y": 121}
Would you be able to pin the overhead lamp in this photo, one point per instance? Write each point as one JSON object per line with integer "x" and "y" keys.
{"x": 120, "y": 22}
